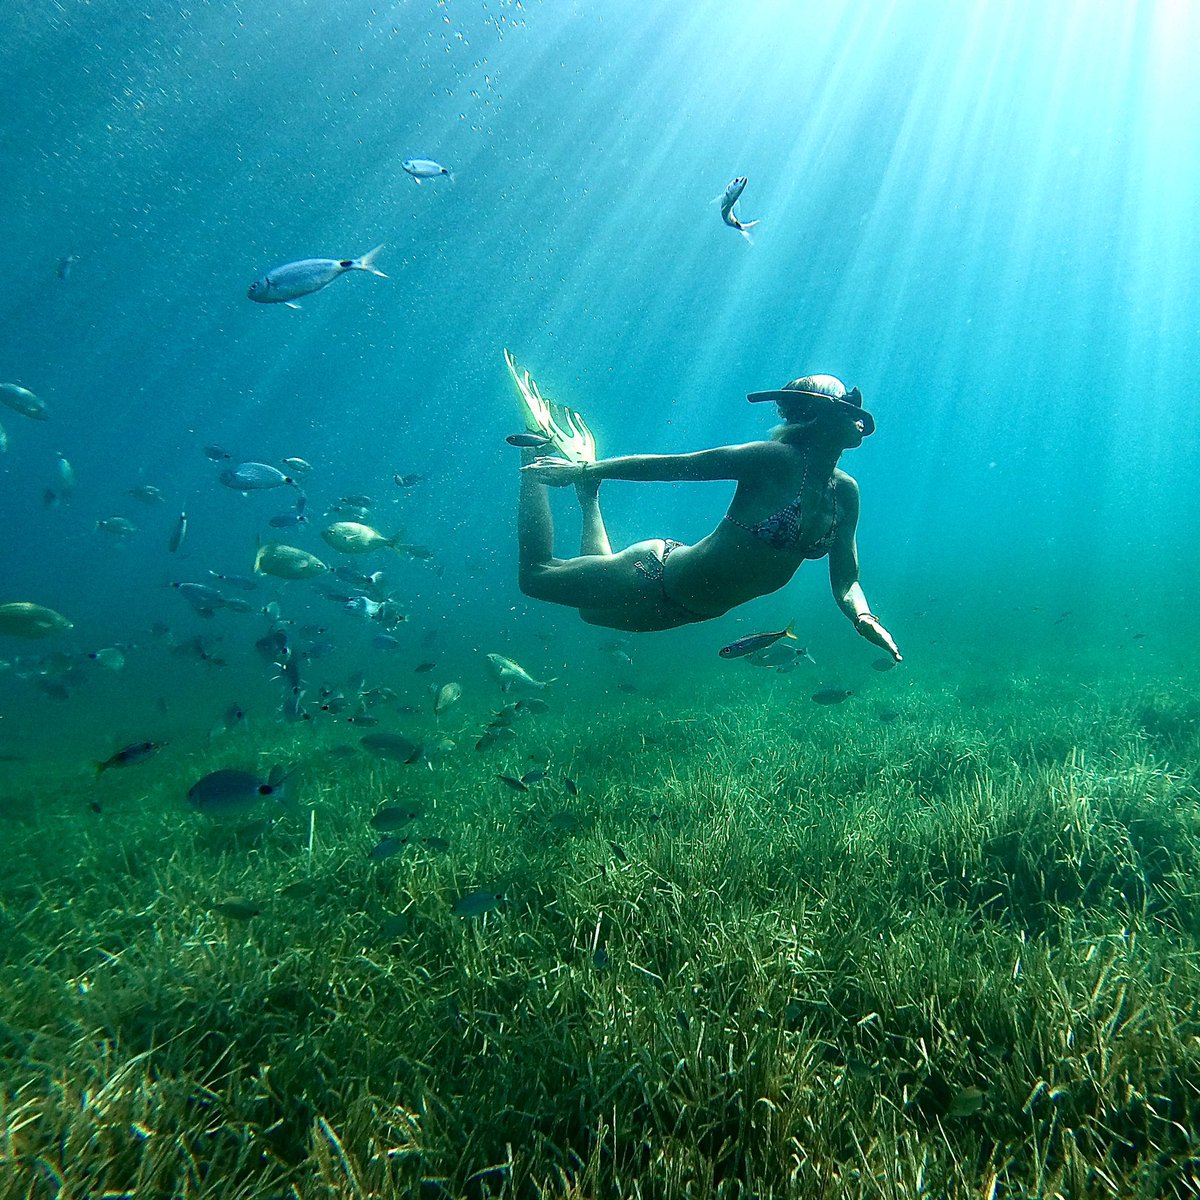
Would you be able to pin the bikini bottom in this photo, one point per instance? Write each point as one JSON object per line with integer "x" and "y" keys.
{"x": 654, "y": 571}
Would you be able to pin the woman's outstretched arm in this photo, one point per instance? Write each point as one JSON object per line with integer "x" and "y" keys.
{"x": 724, "y": 462}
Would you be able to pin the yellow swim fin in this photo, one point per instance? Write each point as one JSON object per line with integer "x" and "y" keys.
{"x": 565, "y": 427}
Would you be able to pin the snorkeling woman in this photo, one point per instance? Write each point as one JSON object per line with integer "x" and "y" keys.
{"x": 792, "y": 503}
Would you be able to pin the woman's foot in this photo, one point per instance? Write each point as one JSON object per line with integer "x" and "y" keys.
{"x": 588, "y": 489}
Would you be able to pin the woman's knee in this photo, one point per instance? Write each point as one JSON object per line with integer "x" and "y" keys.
{"x": 536, "y": 580}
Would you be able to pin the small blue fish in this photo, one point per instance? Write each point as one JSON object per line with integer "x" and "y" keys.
{"x": 242, "y": 582}
{"x": 205, "y": 600}
{"x": 529, "y": 441}
{"x": 288, "y": 520}
{"x": 754, "y": 642}
{"x": 475, "y": 904}
{"x": 254, "y": 477}
{"x": 128, "y": 755}
{"x": 386, "y": 847}
{"x": 147, "y": 494}
{"x": 285, "y": 284}
{"x": 230, "y": 791}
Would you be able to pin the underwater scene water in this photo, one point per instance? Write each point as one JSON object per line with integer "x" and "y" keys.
{"x": 336, "y": 866}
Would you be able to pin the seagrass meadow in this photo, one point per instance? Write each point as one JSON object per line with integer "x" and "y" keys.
{"x": 925, "y": 944}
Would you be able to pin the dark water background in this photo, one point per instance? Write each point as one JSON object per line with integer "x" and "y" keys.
{"x": 983, "y": 215}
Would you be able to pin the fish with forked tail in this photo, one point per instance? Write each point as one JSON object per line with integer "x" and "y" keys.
{"x": 286, "y": 284}
{"x": 755, "y": 641}
{"x": 511, "y": 674}
{"x": 731, "y": 195}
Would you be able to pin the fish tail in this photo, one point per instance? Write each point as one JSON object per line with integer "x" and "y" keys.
{"x": 744, "y": 229}
{"x": 367, "y": 261}
{"x": 450, "y": 176}
{"x": 790, "y": 631}
{"x": 101, "y": 767}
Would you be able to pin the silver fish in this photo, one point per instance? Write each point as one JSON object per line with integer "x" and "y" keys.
{"x": 510, "y": 674}
{"x": 178, "y": 534}
{"x": 22, "y": 400}
{"x": 147, "y": 493}
{"x": 204, "y": 600}
{"x": 529, "y": 441}
{"x": 284, "y": 284}
{"x": 729, "y": 198}
{"x": 426, "y": 168}
{"x": 287, "y": 562}
{"x": 119, "y": 527}
{"x": 66, "y": 477}
{"x": 254, "y": 477}
{"x": 243, "y": 583}
{"x": 780, "y": 658}
{"x": 109, "y": 657}
{"x": 755, "y": 641}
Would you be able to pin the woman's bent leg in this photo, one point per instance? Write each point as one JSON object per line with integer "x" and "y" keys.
{"x": 535, "y": 528}
{"x": 593, "y": 537}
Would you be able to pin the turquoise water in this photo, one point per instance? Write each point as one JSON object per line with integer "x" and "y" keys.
{"x": 982, "y": 215}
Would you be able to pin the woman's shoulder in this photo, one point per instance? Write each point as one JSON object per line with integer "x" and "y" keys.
{"x": 846, "y": 486}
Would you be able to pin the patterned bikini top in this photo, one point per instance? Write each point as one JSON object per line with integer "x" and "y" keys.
{"x": 783, "y": 530}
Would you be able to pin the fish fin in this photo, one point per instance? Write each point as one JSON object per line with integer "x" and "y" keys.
{"x": 790, "y": 631}
{"x": 291, "y": 304}
{"x": 744, "y": 228}
{"x": 279, "y": 775}
{"x": 367, "y": 261}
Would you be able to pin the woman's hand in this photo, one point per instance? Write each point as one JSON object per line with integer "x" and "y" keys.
{"x": 556, "y": 472}
{"x": 868, "y": 626}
